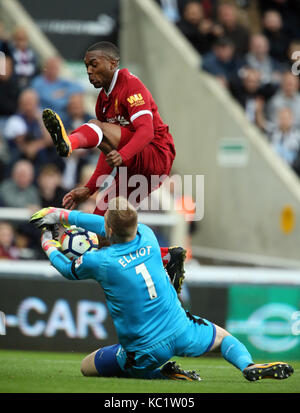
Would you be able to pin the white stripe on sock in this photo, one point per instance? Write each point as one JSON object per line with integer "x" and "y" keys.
{"x": 97, "y": 129}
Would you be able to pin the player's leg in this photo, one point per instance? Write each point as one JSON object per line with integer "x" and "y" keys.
{"x": 169, "y": 371}
{"x": 103, "y": 362}
{"x": 231, "y": 349}
{"x": 173, "y": 259}
{"x": 105, "y": 136}
{"x": 92, "y": 134}
{"x": 146, "y": 364}
{"x": 237, "y": 354}
{"x": 113, "y": 361}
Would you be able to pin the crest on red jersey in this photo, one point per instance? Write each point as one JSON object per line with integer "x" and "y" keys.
{"x": 136, "y": 100}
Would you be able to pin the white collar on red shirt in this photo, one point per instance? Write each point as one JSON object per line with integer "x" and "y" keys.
{"x": 113, "y": 82}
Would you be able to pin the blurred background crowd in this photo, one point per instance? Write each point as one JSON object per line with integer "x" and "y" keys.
{"x": 32, "y": 174}
{"x": 250, "y": 52}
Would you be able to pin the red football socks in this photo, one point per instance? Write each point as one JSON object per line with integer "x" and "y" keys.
{"x": 87, "y": 135}
{"x": 165, "y": 255}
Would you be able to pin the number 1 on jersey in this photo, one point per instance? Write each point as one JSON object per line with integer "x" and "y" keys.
{"x": 142, "y": 269}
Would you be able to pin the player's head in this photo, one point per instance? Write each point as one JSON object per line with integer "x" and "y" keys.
{"x": 120, "y": 221}
{"x": 101, "y": 60}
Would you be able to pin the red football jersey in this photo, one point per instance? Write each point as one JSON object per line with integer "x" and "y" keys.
{"x": 127, "y": 100}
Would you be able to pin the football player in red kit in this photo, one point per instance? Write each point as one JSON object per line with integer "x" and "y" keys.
{"x": 129, "y": 133}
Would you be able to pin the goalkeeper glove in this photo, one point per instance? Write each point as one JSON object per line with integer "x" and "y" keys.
{"x": 50, "y": 216}
{"x": 49, "y": 244}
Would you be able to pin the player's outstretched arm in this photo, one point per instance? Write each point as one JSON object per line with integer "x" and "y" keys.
{"x": 51, "y": 216}
{"x": 51, "y": 248}
{"x": 90, "y": 222}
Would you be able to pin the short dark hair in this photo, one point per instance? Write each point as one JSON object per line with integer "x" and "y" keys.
{"x": 107, "y": 48}
{"x": 223, "y": 41}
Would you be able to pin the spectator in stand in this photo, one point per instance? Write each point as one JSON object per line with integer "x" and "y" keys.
{"x": 72, "y": 168}
{"x": 19, "y": 190}
{"x": 210, "y": 8}
{"x": 54, "y": 91}
{"x": 222, "y": 62}
{"x": 24, "y": 241}
{"x": 285, "y": 137}
{"x": 287, "y": 96}
{"x": 200, "y": 31}
{"x": 278, "y": 39}
{"x": 9, "y": 93}
{"x": 76, "y": 114}
{"x": 50, "y": 186}
{"x": 289, "y": 11}
{"x": 83, "y": 173}
{"x": 8, "y": 250}
{"x": 227, "y": 17}
{"x": 25, "y": 60}
{"x": 250, "y": 93}
{"x": 26, "y": 134}
{"x": 259, "y": 58}
{"x": 172, "y": 9}
{"x": 27, "y": 120}
{"x": 86, "y": 171}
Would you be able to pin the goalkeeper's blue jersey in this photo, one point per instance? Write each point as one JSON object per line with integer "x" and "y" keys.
{"x": 141, "y": 299}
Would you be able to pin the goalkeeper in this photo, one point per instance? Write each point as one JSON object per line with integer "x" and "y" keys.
{"x": 151, "y": 324}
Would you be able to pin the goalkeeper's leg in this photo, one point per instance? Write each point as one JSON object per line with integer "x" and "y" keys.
{"x": 103, "y": 362}
{"x": 237, "y": 354}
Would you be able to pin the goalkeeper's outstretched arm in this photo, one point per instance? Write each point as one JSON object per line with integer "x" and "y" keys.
{"x": 90, "y": 222}
{"x": 51, "y": 216}
{"x": 51, "y": 248}
{"x": 62, "y": 264}
{"x": 48, "y": 218}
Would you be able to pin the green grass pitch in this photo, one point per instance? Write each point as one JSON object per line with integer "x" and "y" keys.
{"x": 45, "y": 372}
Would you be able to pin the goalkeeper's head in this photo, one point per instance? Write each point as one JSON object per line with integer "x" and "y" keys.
{"x": 120, "y": 221}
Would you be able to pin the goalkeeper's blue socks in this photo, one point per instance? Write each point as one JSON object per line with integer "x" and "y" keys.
{"x": 235, "y": 352}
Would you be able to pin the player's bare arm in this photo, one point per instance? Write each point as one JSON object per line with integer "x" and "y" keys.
{"x": 75, "y": 197}
{"x": 114, "y": 159}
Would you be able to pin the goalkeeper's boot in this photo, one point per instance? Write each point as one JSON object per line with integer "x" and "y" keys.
{"x": 277, "y": 370}
{"x": 57, "y": 132}
{"x": 175, "y": 267}
{"x": 173, "y": 372}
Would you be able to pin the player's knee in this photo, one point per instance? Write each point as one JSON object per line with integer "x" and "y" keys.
{"x": 96, "y": 122}
{"x": 84, "y": 368}
{"x": 87, "y": 367}
{"x": 221, "y": 333}
{"x": 111, "y": 132}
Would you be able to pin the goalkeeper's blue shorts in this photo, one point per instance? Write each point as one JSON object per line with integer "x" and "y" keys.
{"x": 194, "y": 340}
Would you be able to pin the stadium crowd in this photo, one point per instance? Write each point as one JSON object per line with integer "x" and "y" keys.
{"x": 32, "y": 174}
{"x": 249, "y": 47}
{"x": 252, "y": 57}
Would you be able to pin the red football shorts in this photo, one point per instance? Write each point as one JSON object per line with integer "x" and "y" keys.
{"x": 153, "y": 162}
